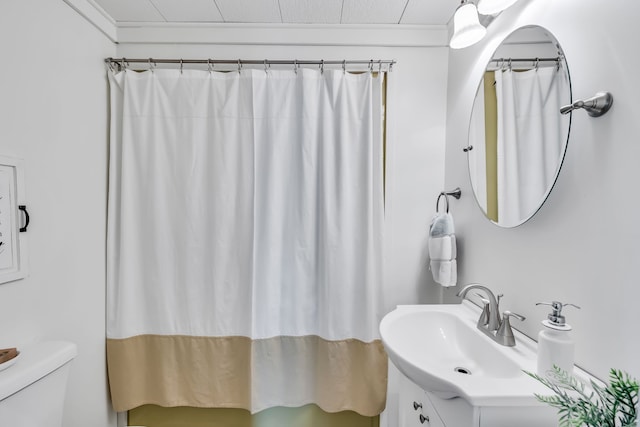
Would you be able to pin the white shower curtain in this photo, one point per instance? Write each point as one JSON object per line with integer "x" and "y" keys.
{"x": 530, "y": 138}
{"x": 244, "y": 240}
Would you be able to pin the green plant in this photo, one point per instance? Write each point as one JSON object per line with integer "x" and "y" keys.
{"x": 612, "y": 405}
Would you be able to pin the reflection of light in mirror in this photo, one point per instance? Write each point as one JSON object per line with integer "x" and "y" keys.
{"x": 518, "y": 134}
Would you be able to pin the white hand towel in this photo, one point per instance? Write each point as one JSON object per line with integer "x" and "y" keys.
{"x": 442, "y": 250}
{"x": 441, "y": 225}
{"x": 445, "y": 272}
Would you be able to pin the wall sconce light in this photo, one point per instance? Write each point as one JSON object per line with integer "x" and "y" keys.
{"x": 467, "y": 29}
{"x": 491, "y": 7}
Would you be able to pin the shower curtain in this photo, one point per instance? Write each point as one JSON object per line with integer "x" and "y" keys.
{"x": 530, "y": 138}
{"x": 244, "y": 240}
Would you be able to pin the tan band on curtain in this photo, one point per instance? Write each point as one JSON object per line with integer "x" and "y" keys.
{"x": 208, "y": 372}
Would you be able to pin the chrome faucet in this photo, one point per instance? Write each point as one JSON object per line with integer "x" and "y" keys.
{"x": 489, "y": 321}
{"x": 493, "y": 316}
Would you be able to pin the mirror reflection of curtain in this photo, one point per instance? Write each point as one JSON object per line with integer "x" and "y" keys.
{"x": 530, "y": 138}
{"x": 245, "y": 240}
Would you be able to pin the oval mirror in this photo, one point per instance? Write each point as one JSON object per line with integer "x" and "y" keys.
{"x": 517, "y": 136}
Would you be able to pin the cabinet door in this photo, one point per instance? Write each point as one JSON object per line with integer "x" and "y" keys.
{"x": 414, "y": 407}
{"x": 455, "y": 412}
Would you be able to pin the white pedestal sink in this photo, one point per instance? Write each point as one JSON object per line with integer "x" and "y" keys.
{"x": 439, "y": 348}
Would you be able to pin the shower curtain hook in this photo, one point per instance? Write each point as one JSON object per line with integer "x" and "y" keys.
{"x": 209, "y": 65}
{"x": 266, "y": 71}
{"x": 371, "y": 66}
{"x": 151, "y": 67}
{"x": 379, "y": 66}
{"x": 510, "y": 65}
{"x": 239, "y": 66}
{"x": 181, "y": 65}
{"x": 295, "y": 66}
{"x": 344, "y": 66}
{"x": 391, "y": 66}
{"x": 322, "y": 66}
{"x": 537, "y": 63}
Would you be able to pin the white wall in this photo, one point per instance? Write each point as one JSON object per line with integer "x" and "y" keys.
{"x": 582, "y": 246}
{"x": 53, "y": 114}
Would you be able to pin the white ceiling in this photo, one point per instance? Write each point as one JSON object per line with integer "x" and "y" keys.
{"x": 423, "y": 12}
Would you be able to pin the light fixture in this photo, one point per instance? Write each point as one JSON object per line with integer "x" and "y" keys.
{"x": 491, "y": 7}
{"x": 467, "y": 29}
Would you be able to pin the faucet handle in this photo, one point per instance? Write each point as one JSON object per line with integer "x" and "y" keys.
{"x": 484, "y": 316}
{"x": 507, "y": 314}
{"x": 504, "y": 335}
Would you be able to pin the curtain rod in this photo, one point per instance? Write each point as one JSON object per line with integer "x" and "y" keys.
{"x": 507, "y": 60}
{"x": 372, "y": 63}
{"x": 502, "y": 62}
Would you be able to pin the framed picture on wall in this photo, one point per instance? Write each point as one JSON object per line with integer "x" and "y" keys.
{"x": 13, "y": 221}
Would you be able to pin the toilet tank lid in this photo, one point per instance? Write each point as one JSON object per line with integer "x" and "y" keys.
{"x": 34, "y": 362}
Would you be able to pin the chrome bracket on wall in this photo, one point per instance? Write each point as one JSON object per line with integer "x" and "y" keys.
{"x": 456, "y": 193}
{"x": 595, "y": 106}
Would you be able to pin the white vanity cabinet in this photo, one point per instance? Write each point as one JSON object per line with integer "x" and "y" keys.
{"x": 418, "y": 408}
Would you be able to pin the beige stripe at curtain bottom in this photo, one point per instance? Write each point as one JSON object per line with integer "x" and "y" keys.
{"x": 215, "y": 372}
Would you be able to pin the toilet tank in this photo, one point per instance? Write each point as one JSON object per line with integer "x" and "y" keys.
{"x": 32, "y": 390}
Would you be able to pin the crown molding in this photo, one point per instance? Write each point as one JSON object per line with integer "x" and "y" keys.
{"x": 284, "y": 34}
{"x": 96, "y": 16}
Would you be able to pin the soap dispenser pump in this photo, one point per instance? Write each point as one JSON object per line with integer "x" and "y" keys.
{"x": 555, "y": 346}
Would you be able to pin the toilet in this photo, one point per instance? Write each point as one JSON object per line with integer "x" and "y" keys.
{"x": 32, "y": 390}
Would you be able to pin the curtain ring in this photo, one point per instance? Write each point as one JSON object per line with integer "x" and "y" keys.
{"x": 266, "y": 71}
{"x": 151, "y": 65}
{"x": 181, "y": 65}
{"x": 344, "y": 66}
{"x": 239, "y": 66}
{"x": 537, "y": 63}
{"x": 380, "y": 66}
{"x": 446, "y": 199}
{"x": 295, "y": 66}
{"x": 209, "y": 65}
{"x": 322, "y": 66}
{"x": 124, "y": 64}
{"x": 371, "y": 66}
{"x": 510, "y": 65}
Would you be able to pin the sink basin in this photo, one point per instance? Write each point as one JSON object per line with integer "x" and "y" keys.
{"x": 439, "y": 348}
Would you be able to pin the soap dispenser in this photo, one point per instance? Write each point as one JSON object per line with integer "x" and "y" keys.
{"x": 555, "y": 346}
